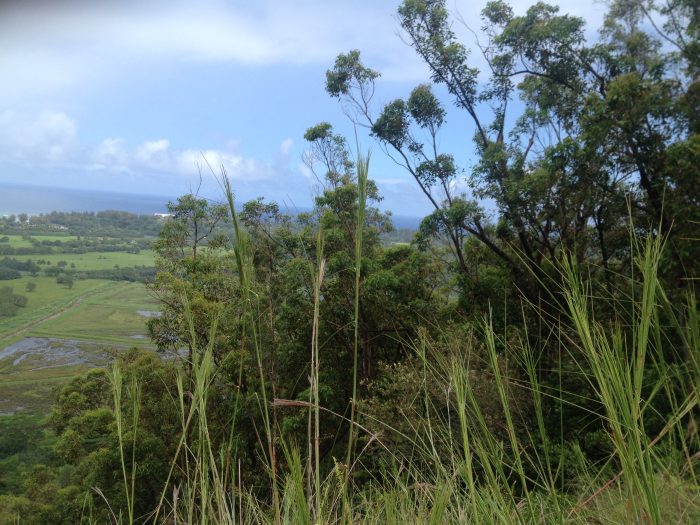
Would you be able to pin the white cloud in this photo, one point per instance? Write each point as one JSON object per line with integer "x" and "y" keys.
{"x": 286, "y": 146}
{"x": 61, "y": 46}
{"x": 110, "y": 154}
{"x": 55, "y": 47}
{"x": 305, "y": 171}
{"x": 190, "y": 161}
{"x": 49, "y": 138}
{"x": 45, "y": 136}
{"x": 158, "y": 156}
{"x": 155, "y": 154}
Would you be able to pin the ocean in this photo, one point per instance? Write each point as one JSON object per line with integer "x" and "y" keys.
{"x": 35, "y": 200}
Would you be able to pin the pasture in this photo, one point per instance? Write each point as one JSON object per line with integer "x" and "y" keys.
{"x": 96, "y": 260}
{"x": 63, "y": 331}
{"x": 17, "y": 241}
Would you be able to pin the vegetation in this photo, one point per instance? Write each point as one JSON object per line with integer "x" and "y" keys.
{"x": 65, "y": 308}
{"x": 539, "y": 367}
{"x": 65, "y": 227}
{"x": 10, "y": 302}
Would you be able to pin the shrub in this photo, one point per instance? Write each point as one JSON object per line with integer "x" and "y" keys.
{"x": 7, "y": 274}
{"x": 65, "y": 279}
{"x": 10, "y": 302}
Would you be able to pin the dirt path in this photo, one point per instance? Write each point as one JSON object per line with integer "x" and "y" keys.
{"x": 56, "y": 313}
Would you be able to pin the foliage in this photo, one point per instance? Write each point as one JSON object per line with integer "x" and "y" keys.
{"x": 109, "y": 223}
{"x": 10, "y": 302}
{"x": 532, "y": 362}
{"x": 65, "y": 279}
{"x": 7, "y": 274}
{"x": 86, "y": 444}
{"x": 597, "y": 129}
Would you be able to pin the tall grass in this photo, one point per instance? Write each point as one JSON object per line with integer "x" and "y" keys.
{"x": 135, "y": 395}
{"x": 315, "y": 370}
{"x": 469, "y": 462}
{"x": 619, "y": 367}
{"x": 362, "y": 176}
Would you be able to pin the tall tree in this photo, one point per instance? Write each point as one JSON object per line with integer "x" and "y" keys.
{"x": 565, "y": 133}
{"x": 190, "y": 267}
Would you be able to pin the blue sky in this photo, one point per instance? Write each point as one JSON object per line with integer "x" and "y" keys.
{"x": 128, "y": 96}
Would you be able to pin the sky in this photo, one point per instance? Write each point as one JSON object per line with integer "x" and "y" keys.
{"x": 132, "y": 96}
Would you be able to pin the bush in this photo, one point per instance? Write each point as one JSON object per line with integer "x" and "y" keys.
{"x": 66, "y": 280}
{"x": 10, "y": 302}
{"x": 7, "y": 274}
{"x": 52, "y": 272}
{"x": 19, "y": 300}
{"x": 31, "y": 286}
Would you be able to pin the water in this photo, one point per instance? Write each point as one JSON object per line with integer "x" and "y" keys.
{"x": 34, "y": 200}
{"x": 148, "y": 313}
{"x": 52, "y": 352}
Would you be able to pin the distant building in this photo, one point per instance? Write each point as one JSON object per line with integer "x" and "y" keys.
{"x": 163, "y": 215}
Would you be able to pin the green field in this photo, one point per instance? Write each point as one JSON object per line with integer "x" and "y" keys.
{"x": 78, "y": 327}
{"x": 47, "y": 299}
{"x": 110, "y": 315}
{"x": 16, "y": 241}
{"x": 96, "y": 260}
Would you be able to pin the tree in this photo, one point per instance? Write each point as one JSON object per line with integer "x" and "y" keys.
{"x": 192, "y": 222}
{"x": 10, "y": 302}
{"x": 594, "y": 130}
{"x": 190, "y": 268}
{"x": 396, "y": 289}
{"x": 8, "y": 274}
{"x": 65, "y": 279}
{"x": 87, "y": 445}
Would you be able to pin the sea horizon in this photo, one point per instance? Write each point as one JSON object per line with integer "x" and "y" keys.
{"x": 37, "y": 200}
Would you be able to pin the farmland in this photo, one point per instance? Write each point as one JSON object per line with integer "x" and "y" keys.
{"x": 68, "y": 325}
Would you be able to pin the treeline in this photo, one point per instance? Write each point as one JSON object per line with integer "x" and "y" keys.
{"x": 16, "y": 266}
{"x": 143, "y": 274}
{"x": 117, "y": 224}
{"x": 65, "y": 275}
{"x": 12, "y": 268}
{"x": 77, "y": 246}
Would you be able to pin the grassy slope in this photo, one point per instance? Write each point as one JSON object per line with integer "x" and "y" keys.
{"x": 109, "y": 315}
{"x": 47, "y": 299}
